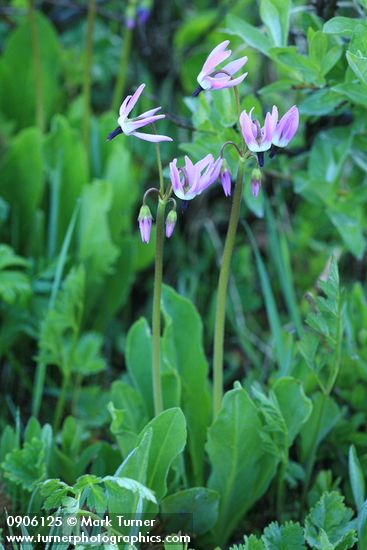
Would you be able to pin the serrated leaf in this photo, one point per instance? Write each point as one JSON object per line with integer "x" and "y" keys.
{"x": 284, "y": 537}
{"x": 332, "y": 517}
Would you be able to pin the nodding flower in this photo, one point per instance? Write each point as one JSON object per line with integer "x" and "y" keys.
{"x": 255, "y": 182}
{"x": 286, "y": 128}
{"x": 170, "y": 222}
{"x": 145, "y": 220}
{"x": 225, "y": 179}
{"x": 212, "y": 78}
{"x": 191, "y": 179}
{"x": 129, "y": 126}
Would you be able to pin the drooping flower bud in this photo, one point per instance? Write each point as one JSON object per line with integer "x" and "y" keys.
{"x": 170, "y": 223}
{"x": 225, "y": 179}
{"x": 145, "y": 220}
{"x": 255, "y": 181}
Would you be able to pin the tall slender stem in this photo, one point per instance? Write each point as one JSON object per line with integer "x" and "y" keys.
{"x": 220, "y": 313}
{"x": 121, "y": 77}
{"x": 36, "y": 54}
{"x": 87, "y": 73}
{"x": 156, "y": 319}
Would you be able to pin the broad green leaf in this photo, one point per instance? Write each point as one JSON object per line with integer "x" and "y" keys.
{"x": 139, "y": 359}
{"x": 356, "y": 478}
{"x": 241, "y": 469}
{"x": 358, "y": 64}
{"x": 135, "y": 466}
{"x": 248, "y": 33}
{"x": 295, "y": 407}
{"x": 182, "y": 345}
{"x": 22, "y": 184}
{"x": 275, "y": 15}
{"x": 362, "y": 526}
{"x": 344, "y": 26}
{"x": 330, "y": 516}
{"x": 17, "y": 72}
{"x": 129, "y": 484}
{"x": 321, "y": 102}
{"x": 96, "y": 249}
{"x": 325, "y": 415}
{"x": 168, "y": 441}
{"x": 200, "y": 505}
{"x": 66, "y": 164}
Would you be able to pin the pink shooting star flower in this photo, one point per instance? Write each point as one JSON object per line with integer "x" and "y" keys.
{"x": 286, "y": 127}
{"x": 170, "y": 222}
{"x": 225, "y": 179}
{"x": 190, "y": 180}
{"x": 256, "y": 138}
{"x": 145, "y": 220}
{"x": 255, "y": 182}
{"x": 130, "y": 126}
{"x": 211, "y": 78}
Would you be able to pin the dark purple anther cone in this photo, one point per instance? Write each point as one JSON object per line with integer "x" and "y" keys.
{"x": 273, "y": 151}
{"x": 260, "y": 158}
{"x": 143, "y": 15}
{"x": 197, "y": 91}
{"x": 115, "y": 133}
{"x": 184, "y": 205}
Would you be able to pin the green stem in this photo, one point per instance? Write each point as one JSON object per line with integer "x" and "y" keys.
{"x": 36, "y": 54}
{"x": 124, "y": 62}
{"x": 222, "y": 293}
{"x": 156, "y": 320}
{"x": 60, "y": 405}
{"x": 87, "y": 74}
{"x": 312, "y": 456}
{"x": 281, "y": 488}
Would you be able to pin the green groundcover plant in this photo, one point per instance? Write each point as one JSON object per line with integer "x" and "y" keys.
{"x": 182, "y": 286}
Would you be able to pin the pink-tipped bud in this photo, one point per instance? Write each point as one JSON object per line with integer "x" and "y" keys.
{"x": 255, "y": 181}
{"x": 145, "y": 220}
{"x": 170, "y": 223}
{"x": 225, "y": 179}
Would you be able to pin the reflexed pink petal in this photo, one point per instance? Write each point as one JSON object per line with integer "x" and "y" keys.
{"x": 123, "y": 105}
{"x": 175, "y": 176}
{"x": 216, "y": 56}
{"x": 247, "y": 128}
{"x": 235, "y": 66}
{"x": 149, "y": 113}
{"x": 201, "y": 164}
{"x": 286, "y": 128}
{"x": 218, "y": 82}
{"x": 134, "y": 124}
{"x": 154, "y": 138}
{"x": 134, "y": 98}
{"x": 226, "y": 182}
{"x": 236, "y": 81}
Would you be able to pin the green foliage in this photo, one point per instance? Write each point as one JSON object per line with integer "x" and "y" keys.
{"x": 329, "y": 525}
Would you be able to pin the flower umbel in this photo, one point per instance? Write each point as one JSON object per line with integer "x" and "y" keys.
{"x": 286, "y": 127}
{"x": 211, "y": 78}
{"x": 129, "y": 126}
{"x": 170, "y": 223}
{"x": 145, "y": 220}
{"x": 191, "y": 179}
